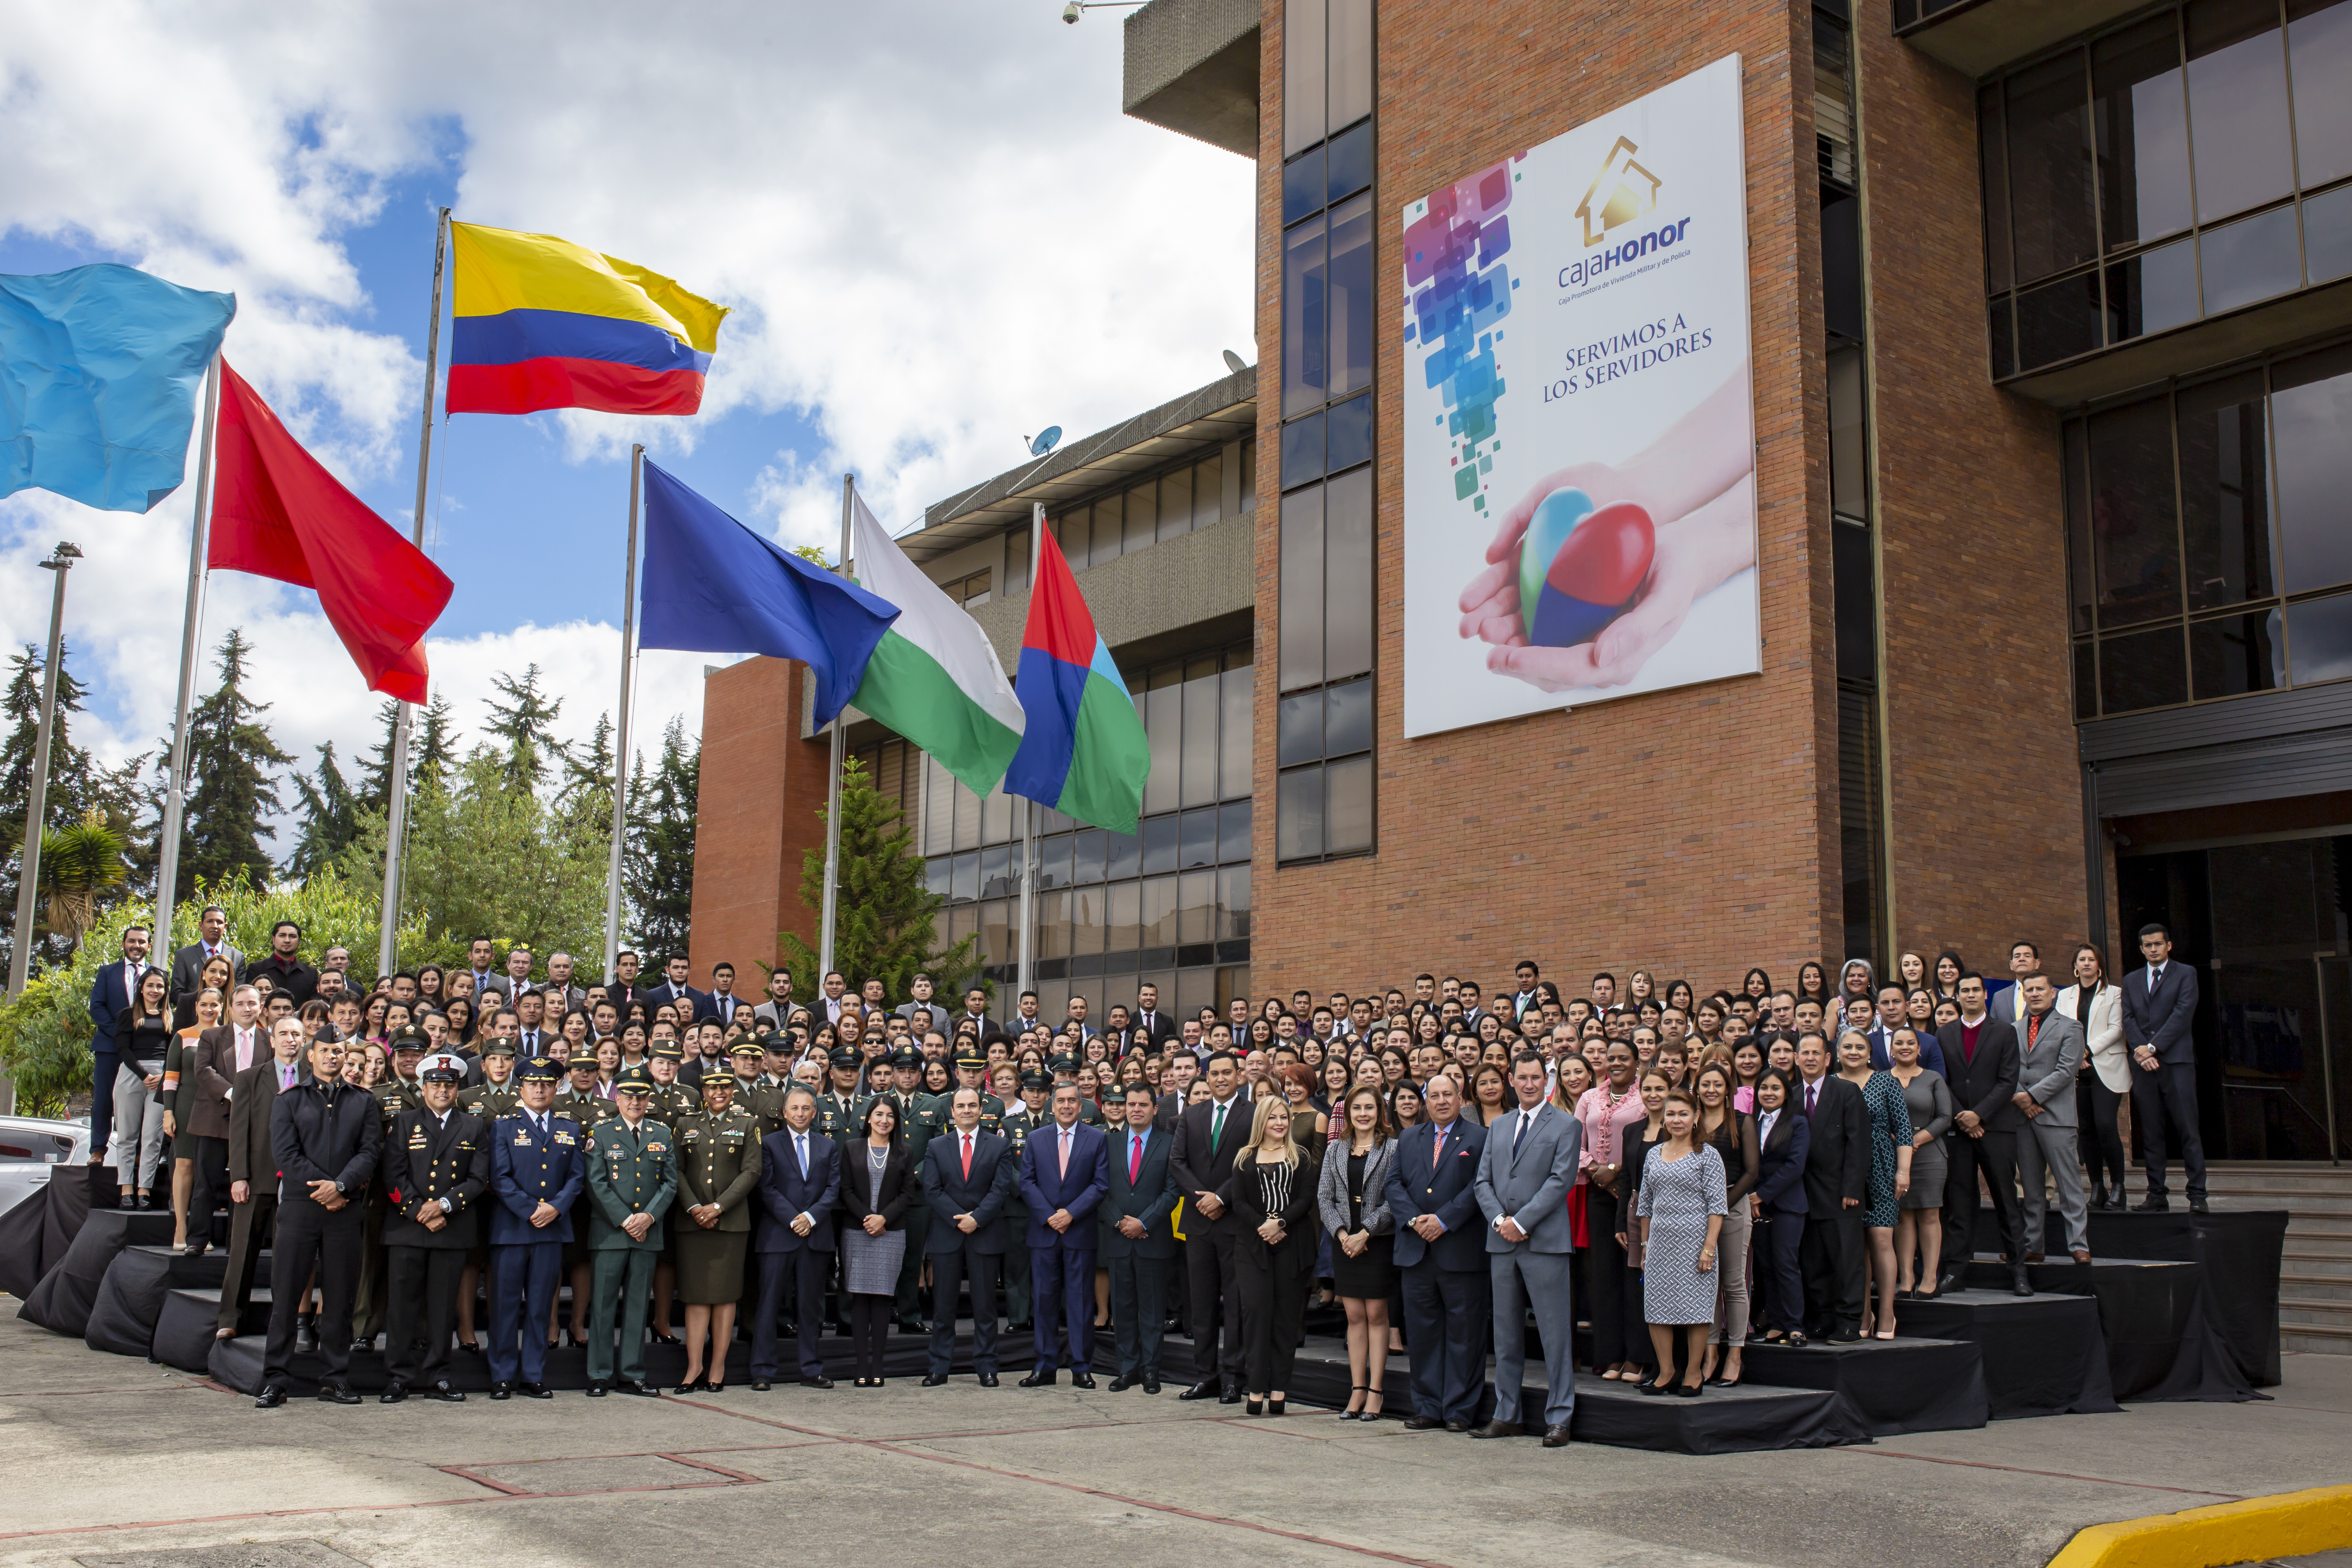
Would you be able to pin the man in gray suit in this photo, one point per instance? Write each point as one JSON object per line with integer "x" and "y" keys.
{"x": 923, "y": 1013}
{"x": 1524, "y": 1176}
{"x": 2049, "y": 1048}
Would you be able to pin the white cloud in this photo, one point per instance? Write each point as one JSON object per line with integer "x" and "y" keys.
{"x": 938, "y": 231}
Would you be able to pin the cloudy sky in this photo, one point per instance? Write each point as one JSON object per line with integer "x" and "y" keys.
{"x": 935, "y": 230}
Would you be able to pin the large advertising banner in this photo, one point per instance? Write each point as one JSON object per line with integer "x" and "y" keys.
{"x": 1580, "y": 486}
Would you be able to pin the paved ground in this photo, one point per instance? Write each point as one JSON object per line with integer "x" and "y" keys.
{"x": 114, "y": 1461}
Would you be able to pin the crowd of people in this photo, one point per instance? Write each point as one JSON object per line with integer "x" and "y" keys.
{"x": 1669, "y": 1174}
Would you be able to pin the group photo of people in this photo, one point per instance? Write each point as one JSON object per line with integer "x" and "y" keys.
{"x": 1629, "y": 1177}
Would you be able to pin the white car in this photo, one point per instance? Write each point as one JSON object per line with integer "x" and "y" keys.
{"x": 31, "y": 1148}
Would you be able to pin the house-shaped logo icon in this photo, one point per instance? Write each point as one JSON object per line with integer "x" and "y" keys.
{"x": 1622, "y": 192}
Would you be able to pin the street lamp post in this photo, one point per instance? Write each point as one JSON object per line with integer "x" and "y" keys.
{"x": 20, "y": 953}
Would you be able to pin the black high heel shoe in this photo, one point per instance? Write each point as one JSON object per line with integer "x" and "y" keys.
{"x": 1652, "y": 1389}
{"x": 1354, "y": 1412}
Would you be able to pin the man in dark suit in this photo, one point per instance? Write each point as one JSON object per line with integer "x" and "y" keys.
{"x": 1157, "y": 1026}
{"x": 675, "y": 990}
{"x": 1892, "y": 1016}
{"x": 509, "y": 987}
{"x": 2159, "y": 1005}
{"x": 1176, "y": 1079}
{"x": 289, "y": 975}
{"x": 538, "y": 1171}
{"x": 1214, "y": 1128}
{"x": 212, "y": 942}
{"x": 975, "y": 1007}
{"x": 253, "y": 1166}
{"x": 1835, "y": 1251}
{"x": 720, "y": 1002}
{"x": 326, "y": 1137}
{"x": 967, "y": 1175}
{"x": 1433, "y": 1195}
{"x": 1138, "y": 1244}
{"x": 1981, "y": 1052}
{"x": 1065, "y": 1171}
{"x": 800, "y": 1185}
{"x": 223, "y": 1052}
{"x": 109, "y": 996}
{"x": 437, "y": 1171}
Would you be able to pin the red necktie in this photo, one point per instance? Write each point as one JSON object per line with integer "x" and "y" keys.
{"x": 2033, "y": 1029}
{"x": 1134, "y": 1159}
{"x": 967, "y": 1156}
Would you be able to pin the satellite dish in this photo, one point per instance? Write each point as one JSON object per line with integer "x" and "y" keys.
{"x": 1235, "y": 362}
{"x": 1046, "y": 441}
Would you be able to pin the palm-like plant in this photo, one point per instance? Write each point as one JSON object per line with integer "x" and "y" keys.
{"x": 78, "y": 864}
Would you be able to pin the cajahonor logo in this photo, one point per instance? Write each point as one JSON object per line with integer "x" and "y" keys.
{"x": 1623, "y": 192}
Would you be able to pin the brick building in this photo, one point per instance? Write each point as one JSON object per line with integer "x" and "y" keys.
{"x": 2048, "y": 307}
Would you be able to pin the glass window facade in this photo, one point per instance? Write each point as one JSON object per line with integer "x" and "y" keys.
{"x": 2187, "y": 163}
{"x": 1162, "y": 507}
{"x": 1169, "y": 904}
{"x": 1323, "y": 791}
{"x": 2209, "y": 537}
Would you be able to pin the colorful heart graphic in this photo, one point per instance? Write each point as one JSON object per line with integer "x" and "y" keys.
{"x": 1556, "y": 518}
{"x": 1594, "y": 577}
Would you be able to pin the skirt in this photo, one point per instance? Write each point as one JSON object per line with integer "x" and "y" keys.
{"x": 869, "y": 1264}
{"x": 710, "y": 1265}
{"x": 1368, "y": 1277}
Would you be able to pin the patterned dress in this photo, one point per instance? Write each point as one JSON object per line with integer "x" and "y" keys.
{"x": 1677, "y": 1196}
{"x": 1890, "y": 1129}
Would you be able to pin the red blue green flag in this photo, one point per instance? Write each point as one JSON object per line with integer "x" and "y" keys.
{"x": 1082, "y": 751}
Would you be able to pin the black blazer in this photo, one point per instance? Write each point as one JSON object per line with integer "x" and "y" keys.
{"x": 1987, "y": 1084}
{"x": 1245, "y": 1211}
{"x": 1202, "y": 1169}
{"x": 1781, "y": 1158}
{"x": 994, "y": 1172}
{"x": 1837, "y": 1165}
{"x": 859, "y": 1194}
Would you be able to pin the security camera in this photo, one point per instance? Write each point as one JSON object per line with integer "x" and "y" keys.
{"x": 1072, "y": 12}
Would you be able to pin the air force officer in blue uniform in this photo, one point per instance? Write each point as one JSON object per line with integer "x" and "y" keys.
{"x": 536, "y": 1176}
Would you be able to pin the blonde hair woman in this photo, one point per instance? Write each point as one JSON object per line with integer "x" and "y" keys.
{"x": 1272, "y": 1194}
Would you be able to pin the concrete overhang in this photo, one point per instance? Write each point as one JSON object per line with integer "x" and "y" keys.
{"x": 1191, "y": 67}
{"x": 1978, "y": 37}
{"x": 1220, "y": 412}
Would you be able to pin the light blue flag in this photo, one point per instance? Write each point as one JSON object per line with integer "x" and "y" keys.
{"x": 100, "y": 368}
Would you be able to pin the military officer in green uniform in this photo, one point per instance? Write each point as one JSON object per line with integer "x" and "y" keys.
{"x": 673, "y": 1102}
{"x": 579, "y": 1101}
{"x": 631, "y": 1180}
{"x": 971, "y": 1072}
{"x": 840, "y": 1109}
{"x": 1026, "y": 1116}
{"x": 921, "y": 1117}
{"x": 717, "y": 1168}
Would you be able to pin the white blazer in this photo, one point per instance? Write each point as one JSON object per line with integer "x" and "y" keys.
{"x": 2109, "y": 1057}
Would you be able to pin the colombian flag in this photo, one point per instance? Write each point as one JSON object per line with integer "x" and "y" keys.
{"x": 544, "y": 324}
{"x": 1082, "y": 751}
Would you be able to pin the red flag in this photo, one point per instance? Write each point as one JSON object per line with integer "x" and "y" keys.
{"x": 277, "y": 512}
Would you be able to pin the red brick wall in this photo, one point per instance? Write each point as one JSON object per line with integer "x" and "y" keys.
{"x": 1987, "y": 789}
{"x": 757, "y": 814}
{"x": 1692, "y": 831}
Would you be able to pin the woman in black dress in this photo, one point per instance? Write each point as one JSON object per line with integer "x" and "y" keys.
{"x": 1272, "y": 1194}
{"x": 1351, "y": 1198}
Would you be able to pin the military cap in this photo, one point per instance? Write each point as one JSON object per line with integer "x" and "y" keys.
{"x": 1035, "y": 1080}
{"x": 501, "y": 1048}
{"x": 906, "y": 1057}
{"x": 973, "y": 1061}
{"x": 1064, "y": 1063}
{"x": 409, "y": 1038}
{"x": 669, "y": 1049}
{"x": 441, "y": 1067}
{"x": 847, "y": 1056}
{"x": 633, "y": 1081}
{"x": 584, "y": 1059}
{"x": 539, "y": 1069}
{"x": 746, "y": 1049}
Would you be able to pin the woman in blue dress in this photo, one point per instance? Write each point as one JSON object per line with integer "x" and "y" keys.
{"x": 1890, "y": 1173}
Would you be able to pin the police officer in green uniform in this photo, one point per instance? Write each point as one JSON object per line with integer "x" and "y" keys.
{"x": 673, "y": 1102}
{"x": 921, "y": 1117}
{"x": 971, "y": 1072}
{"x": 841, "y": 1116}
{"x": 579, "y": 1101}
{"x": 631, "y": 1180}
{"x": 717, "y": 1168}
{"x": 1012, "y": 1223}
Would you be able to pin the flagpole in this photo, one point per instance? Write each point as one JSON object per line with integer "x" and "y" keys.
{"x": 832, "y": 784}
{"x": 396, "y": 765}
{"x": 192, "y": 624}
{"x": 1029, "y": 807}
{"x": 628, "y": 689}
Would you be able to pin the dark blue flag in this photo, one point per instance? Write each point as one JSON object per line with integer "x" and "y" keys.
{"x": 712, "y": 585}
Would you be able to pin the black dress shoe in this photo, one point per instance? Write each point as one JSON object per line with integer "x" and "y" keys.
{"x": 337, "y": 1393}
{"x": 271, "y": 1396}
{"x": 2151, "y": 1205}
{"x": 360, "y": 1347}
{"x": 448, "y": 1392}
{"x": 502, "y": 1390}
{"x": 1151, "y": 1382}
{"x": 393, "y": 1393}
{"x": 1037, "y": 1380}
{"x": 1499, "y": 1429}
{"x": 1853, "y": 1336}
{"x": 470, "y": 1347}
{"x": 1207, "y": 1388}
{"x": 535, "y": 1391}
{"x": 639, "y": 1387}
{"x": 1082, "y": 1380}
{"x": 2199, "y": 1205}
{"x": 1457, "y": 1424}
{"x": 1557, "y": 1437}
{"x": 933, "y": 1379}
{"x": 193, "y": 1249}
{"x": 988, "y": 1380}
{"x": 760, "y": 1386}
{"x": 1121, "y": 1384}
{"x": 596, "y": 1390}
{"x": 912, "y": 1326}
{"x": 2019, "y": 1284}
{"x": 819, "y": 1381}
{"x": 1421, "y": 1423}
{"x": 1230, "y": 1396}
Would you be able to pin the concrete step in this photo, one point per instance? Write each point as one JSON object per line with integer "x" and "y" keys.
{"x": 2295, "y": 1200}
{"x": 2295, "y": 1284}
{"x": 2297, "y": 1310}
{"x": 2316, "y": 1339}
{"x": 2302, "y": 1262}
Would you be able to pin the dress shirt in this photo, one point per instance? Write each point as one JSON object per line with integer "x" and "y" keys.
{"x": 1605, "y": 1116}
{"x": 1764, "y": 1126}
{"x": 244, "y": 1049}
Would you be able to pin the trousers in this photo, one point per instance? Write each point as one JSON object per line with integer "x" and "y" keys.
{"x": 1062, "y": 1306}
{"x": 1835, "y": 1256}
{"x": 523, "y": 1280}
{"x": 1216, "y": 1303}
{"x": 2039, "y": 1148}
{"x": 800, "y": 1272}
{"x": 1273, "y": 1319}
{"x": 2169, "y": 1093}
{"x": 138, "y": 1129}
{"x": 1604, "y": 1274}
{"x": 248, "y": 1232}
{"x": 421, "y": 1288}
{"x": 949, "y": 1271}
{"x": 1778, "y": 1238}
{"x": 1732, "y": 1303}
{"x": 210, "y": 1189}
{"x": 308, "y": 1238}
{"x": 1524, "y": 1279}
{"x": 1995, "y": 1155}
{"x": 619, "y": 1278}
{"x": 2095, "y": 1120}
{"x": 910, "y": 1268}
{"x": 1138, "y": 1292}
{"x": 1445, "y": 1315}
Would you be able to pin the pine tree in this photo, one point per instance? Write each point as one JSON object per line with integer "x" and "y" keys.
{"x": 69, "y": 775}
{"x": 330, "y": 816}
{"x": 526, "y": 723}
{"x": 585, "y": 799}
{"x": 886, "y": 921}
{"x": 434, "y": 738}
{"x": 231, "y": 759}
{"x": 657, "y": 871}
{"x": 372, "y": 787}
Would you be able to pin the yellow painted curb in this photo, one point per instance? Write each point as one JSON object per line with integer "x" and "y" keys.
{"x": 2286, "y": 1524}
